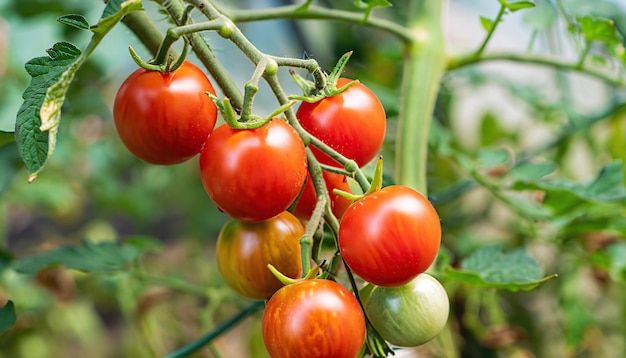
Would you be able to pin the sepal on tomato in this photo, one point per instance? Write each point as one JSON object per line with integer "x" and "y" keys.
{"x": 311, "y": 92}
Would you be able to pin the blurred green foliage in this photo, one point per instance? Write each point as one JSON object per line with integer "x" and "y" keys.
{"x": 515, "y": 161}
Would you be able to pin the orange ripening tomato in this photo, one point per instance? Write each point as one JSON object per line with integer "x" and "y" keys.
{"x": 245, "y": 249}
{"x": 315, "y": 318}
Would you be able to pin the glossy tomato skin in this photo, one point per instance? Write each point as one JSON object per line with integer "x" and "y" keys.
{"x": 245, "y": 249}
{"x": 352, "y": 122}
{"x": 253, "y": 174}
{"x": 338, "y": 204}
{"x": 390, "y": 236}
{"x": 164, "y": 118}
{"x": 409, "y": 315}
{"x": 313, "y": 319}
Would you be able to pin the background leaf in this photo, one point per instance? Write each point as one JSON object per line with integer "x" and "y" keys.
{"x": 7, "y": 317}
{"x": 599, "y": 29}
{"x": 490, "y": 267}
{"x": 519, "y": 5}
{"x": 89, "y": 257}
{"x": 487, "y": 23}
{"x": 74, "y": 20}
{"x": 371, "y": 4}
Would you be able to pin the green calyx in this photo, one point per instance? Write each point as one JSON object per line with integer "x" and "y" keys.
{"x": 313, "y": 91}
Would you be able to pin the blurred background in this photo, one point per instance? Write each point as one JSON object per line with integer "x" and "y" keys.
{"x": 93, "y": 188}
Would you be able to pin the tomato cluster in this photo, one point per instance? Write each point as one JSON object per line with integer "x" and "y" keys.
{"x": 387, "y": 237}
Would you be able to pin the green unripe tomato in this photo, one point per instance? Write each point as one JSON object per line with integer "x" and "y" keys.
{"x": 408, "y": 315}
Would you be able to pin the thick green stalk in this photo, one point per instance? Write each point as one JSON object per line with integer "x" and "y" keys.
{"x": 423, "y": 67}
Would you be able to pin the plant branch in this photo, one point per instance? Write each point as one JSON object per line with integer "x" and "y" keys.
{"x": 176, "y": 10}
{"x": 423, "y": 69}
{"x": 218, "y": 331}
{"x": 313, "y": 12}
{"x": 491, "y": 31}
{"x": 533, "y": 59}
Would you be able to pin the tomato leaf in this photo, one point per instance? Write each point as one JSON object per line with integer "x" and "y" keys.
{"x": 37, "y": 119}
{"x": 492, "y": 268}
{"x": 490, "y": 158}
{"x": 531, "y": 171}
{"x": 74, "y": 20}
{"x": 371, "y": 4}
{"x": 608, "y": 186}
{"x": 487, "y": 23}
{"x": 114, "y": 11}
{"x": 7, "y": 317}
{"x": 88, "y": 257}
{"x": 39, "y": 116}
{"x": 519, "y": 5}
{"x": 599, "y": 29}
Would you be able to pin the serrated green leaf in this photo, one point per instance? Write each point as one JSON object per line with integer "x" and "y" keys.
{"x": 489, "y": 158}
{"x": 531, "y": 171}
{"x": 371, "y": 4}
{"x": 519, "y": 5}
{"x": 74, "y": 20}
{"x": 7, "y": 317}
{"x": 39, "y": 116}
{"x": 89, "y": 257}
{"x": 487, "y": 23}
{"x": 606, "y": 187}
{"x": 599, "y": 29}
{"x": 490, "y": 267}
{"x": 113, "y": 13}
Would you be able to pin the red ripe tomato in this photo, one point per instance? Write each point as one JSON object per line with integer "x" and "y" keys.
{"x": 308, "y": 199}
{"x": 245, "y": 249}
{"x": 164, "y": 118}
{"x": 313, "y": 319}
{"x": 390, "y": 236}
{"x": 253, "y": 174}
{"x": 352, "y": 123}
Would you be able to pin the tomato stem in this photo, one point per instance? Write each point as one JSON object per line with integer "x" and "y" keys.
{"x": 423, "y": 69}
{"x": 218, "y": 331}
{"x": 311, "y": 228}
{"x": 206, "y": 55}
{"x": 495, "y": 23}
{"x": 377, "y": 346}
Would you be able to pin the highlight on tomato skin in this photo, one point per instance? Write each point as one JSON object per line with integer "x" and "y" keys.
{"x": 353, "y": 123}
{"x": 390, "y": 236}
{"x": 165, "y": 118}
{"x": 253, "y": 174}
{"x": 314, "y": 318}
{"x": 244, "y": 250}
